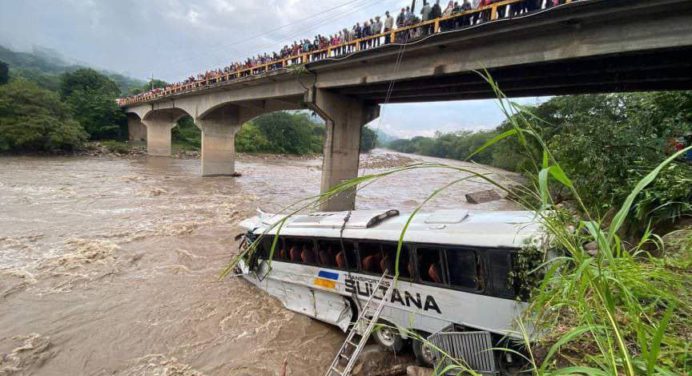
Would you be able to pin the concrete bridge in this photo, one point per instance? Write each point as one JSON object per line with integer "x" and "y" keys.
{"x": 593, "y": 46}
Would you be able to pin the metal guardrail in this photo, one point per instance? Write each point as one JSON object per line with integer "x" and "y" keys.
{"x": 351, "y": 47}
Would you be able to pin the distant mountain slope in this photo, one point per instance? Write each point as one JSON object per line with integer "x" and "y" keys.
{"x": 43, "y": 66}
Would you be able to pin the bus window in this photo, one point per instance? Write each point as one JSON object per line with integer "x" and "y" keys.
{"x": 336, "y": 254}
{"x": 370, "y": 257}
{"x": 405, "y": 265}
{"x": 500, "y": 267}
{"x": 463, "y": 268}
{"x": 265, "y": 247}
{"x": 301, "y": 251}
{"x": 430, "y": 265}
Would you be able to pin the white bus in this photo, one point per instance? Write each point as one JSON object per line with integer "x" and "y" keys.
{"x": 454, "y": 269}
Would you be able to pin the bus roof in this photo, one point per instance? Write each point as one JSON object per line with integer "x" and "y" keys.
{"x": 449, "y": 227}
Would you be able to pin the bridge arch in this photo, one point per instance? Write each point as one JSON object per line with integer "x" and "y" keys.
{"x": 220, "y": 124}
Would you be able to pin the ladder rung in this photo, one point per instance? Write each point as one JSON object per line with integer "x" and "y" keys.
{"x": 370, "y": 313}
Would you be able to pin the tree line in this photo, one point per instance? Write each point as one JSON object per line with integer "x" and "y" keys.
{"x": 80, "y": 107}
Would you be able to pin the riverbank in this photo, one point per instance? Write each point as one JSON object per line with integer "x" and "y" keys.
{"x": 109, "y": 265}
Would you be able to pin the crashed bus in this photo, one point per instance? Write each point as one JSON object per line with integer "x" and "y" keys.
{"x": 454, "y": 268}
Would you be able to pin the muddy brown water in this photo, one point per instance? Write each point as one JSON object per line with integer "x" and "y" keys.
{"x": 109, "y": 266}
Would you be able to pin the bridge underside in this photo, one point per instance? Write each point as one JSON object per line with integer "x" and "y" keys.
{"x": 665, "y": 69}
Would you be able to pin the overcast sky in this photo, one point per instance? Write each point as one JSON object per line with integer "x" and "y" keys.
{"x": 171, "y": 39}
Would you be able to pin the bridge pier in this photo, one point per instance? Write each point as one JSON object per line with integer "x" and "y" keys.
{"x": 345, "y": 118}
{"x": 218, "y": 144}
{"x": 159, "y": 137}
{"x": 136, "y": 131}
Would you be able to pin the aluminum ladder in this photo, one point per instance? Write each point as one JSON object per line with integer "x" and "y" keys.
{"x": 369, "y": 314}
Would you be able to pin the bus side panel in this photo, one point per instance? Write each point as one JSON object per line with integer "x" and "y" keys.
{"x": 332, "y": 308}
{"x": 295, "y": 297}
{"x": 408, "y": 320}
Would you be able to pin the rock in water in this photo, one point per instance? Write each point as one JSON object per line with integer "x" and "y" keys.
{"x": 483, "y": 197}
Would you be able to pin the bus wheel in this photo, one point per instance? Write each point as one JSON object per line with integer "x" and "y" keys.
{"x": 388, "y": 337}
{"x": 423, "y": 352}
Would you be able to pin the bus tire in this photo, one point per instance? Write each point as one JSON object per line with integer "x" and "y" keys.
{"x": 388, "y": 337}
{"x": 424, "y": 354}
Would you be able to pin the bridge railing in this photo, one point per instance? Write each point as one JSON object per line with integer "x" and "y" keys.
{"x": 401, "y": 35}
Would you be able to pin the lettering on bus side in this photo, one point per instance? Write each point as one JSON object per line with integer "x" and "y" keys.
{"x": 365, "y": 288}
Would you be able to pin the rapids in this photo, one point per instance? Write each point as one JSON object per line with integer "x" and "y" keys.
{"x": 109, "y": 266}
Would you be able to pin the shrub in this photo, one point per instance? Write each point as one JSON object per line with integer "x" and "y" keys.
{"x": 91, "y": 98}
{"x": 33, "y": 119}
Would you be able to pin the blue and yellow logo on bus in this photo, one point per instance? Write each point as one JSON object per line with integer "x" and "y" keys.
{"x": 326, "y": 279}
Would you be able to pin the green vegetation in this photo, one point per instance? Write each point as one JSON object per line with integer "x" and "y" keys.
{"x": 117, "y": 147}
{"x": 282, "y": 132}
{"x": 152, "y": 84}
{"x": 34, "y": 119}
{"x": 186, "y": 135}
{"x": 285, "y": 133}
{"x": 368, "y": 140}
{"x": 44, "y": 67}
{"x": 91, "y": 97}
{"x": 606, "y": 143}
{"x": 79, "y": 103}
{"x": 4, "y": 73}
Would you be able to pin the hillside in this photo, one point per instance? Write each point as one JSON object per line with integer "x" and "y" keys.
{"x": 43, "y": 66}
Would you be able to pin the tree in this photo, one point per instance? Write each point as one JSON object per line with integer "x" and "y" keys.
{"x": 33, "y": 119}
{"x": 187, "y": 134}
{"x": 153, "y": 84}
{"x": 88, "y": 81}
{"x": 290, "y": 133}
{"x": 251, "y": 140}
{"x": 91, "y": 97}
{"x": 368, "y": 140}
{"x": 4, "y": 73}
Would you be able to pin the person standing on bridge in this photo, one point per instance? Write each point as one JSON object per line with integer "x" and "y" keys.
{"x": 388, "y": 27}
{"x": 425, "y": 14}
{"x": 377, "y": 30}
{"x": 401, "y": 19}
{"x": 436, "y": 11}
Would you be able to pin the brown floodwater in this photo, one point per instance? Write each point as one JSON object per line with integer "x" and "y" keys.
{"x": 109, "y": 266}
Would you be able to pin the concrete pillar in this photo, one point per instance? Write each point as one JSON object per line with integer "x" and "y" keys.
{"x": 218, "y": 148}
{"x": 344, "y": 118}
{"x": 159, "y": 137}
{"x": 218, "y": 141}
{"x": 135, "y": 129}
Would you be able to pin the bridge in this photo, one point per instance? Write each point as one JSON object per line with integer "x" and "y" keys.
{"x": 588, "y": 46}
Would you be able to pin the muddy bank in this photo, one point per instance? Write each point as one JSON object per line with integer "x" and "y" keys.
{"x": 108, "y": 266}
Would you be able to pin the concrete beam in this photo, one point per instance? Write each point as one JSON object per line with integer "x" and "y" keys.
{"x": 344, "y": 118}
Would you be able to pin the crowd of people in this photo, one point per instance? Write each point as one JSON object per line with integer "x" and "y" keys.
{"x": 408, "y": 25}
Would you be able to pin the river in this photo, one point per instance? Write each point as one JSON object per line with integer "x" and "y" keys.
{"x": 109, "y": 266}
